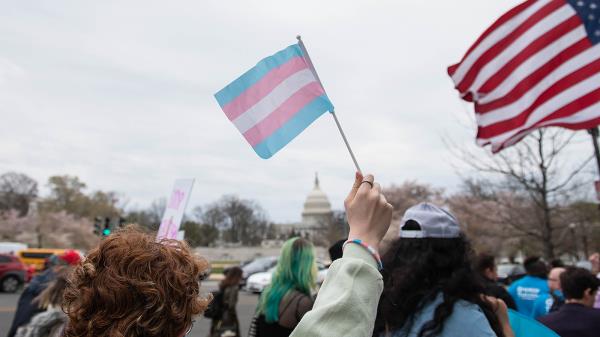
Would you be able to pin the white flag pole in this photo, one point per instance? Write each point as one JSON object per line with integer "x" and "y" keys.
{"x": 337, "y": 122}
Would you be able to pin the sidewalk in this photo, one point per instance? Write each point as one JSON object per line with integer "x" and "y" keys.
{"x": 216, "y": 277}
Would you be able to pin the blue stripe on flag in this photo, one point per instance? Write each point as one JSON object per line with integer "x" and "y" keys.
{"x": 293, "y": 127}
{"x": 242, "y": 83}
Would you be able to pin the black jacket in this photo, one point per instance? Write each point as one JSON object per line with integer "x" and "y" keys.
{"x": 493, "y": 289}
{"x": 574, "y": 320}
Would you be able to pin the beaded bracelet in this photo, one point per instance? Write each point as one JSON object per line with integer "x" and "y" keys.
{"x": 370, "y": 249}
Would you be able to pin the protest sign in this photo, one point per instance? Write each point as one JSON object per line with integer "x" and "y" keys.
{"x": 171, "y": 221}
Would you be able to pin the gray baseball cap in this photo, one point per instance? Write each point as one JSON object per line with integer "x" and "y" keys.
{"x": 426, "y": 220}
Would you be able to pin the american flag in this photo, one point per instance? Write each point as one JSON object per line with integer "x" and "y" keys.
{"x": 536, "y": 66}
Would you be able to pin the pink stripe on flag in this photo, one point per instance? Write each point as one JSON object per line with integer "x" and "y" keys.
{"x": 283, "y": 113}
{"x": 263, "y": 87}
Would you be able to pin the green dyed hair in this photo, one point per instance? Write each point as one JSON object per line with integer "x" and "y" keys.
{"x": 296, "y": 270}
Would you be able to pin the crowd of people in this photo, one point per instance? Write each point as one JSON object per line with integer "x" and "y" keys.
{"x": 427, "y": 283}
{"x": 38, "y": 311}
{"x": 565, "y": 299}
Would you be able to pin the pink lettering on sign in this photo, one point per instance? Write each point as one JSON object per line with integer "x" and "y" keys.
{"x": 173, "y": 234}
{"x": 176, "y": 198}
{"x": 166, "y": 229}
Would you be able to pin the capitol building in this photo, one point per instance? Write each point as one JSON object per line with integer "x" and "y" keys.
{"x": 317, "y": 215}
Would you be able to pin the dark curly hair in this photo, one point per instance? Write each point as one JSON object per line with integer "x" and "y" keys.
{"x": 416, "y": 271}
{"x": 131, "y": 285}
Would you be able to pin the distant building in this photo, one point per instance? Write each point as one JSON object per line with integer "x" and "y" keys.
{"x": 316, "y": 215}
{"x": 317, "y": 212}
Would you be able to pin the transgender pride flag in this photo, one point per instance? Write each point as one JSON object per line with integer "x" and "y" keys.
{"x": 273, "y": 102}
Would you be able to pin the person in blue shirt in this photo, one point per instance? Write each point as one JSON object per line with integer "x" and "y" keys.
{"x": 553, "y": 300}
{"x": 430, "y": 287}
{"x": 529, "y": 288}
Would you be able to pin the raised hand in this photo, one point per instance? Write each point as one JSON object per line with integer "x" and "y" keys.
{"x": 369, "y": 214}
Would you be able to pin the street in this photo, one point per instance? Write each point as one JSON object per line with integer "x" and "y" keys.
{"x": 245, "y": 309}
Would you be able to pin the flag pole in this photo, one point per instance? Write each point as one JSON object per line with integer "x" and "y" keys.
{"x": 594, "y": 133}
{"x": 337, "y": 122}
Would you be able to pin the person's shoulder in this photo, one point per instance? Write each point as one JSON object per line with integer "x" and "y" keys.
{"x": 551, "y": 317}
{"x": 520, "y": 281}
{"x": 471, "y": 308}
{"x": 300, "y": 296}
{"x": 542, "y": 282}
{"x": 515, "y": 284}
{"x": 594, "y": 313}
{"x": 543, "y": 298}
{"x": 301, "y": 300}
{"x": 465, "y": 311}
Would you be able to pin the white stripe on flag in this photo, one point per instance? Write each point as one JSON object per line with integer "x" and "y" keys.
{"x": 580, "y": 89}
{"x": 273, "y": 100}
{"x": 516, "y": 108}
{"x": 584, "y": 115}
{"x": 493, "y": 38}
{"x": 533, "y": 64}
{"x": 539, "y": 29}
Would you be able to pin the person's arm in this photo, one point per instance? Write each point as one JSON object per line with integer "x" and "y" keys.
{"x": 501, "y": 312}
{"x": 347, "y": 302}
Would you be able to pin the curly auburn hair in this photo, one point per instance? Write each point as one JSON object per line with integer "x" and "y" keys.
{"x": 131, "y": 285}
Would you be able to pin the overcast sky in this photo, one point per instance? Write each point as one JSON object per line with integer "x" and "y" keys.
{"x": 120, "y": 93}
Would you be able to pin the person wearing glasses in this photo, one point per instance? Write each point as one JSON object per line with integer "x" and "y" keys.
{"x": 553, "y": 300}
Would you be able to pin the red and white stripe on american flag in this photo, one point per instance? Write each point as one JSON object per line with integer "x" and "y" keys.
{"x": 536, "y": 66}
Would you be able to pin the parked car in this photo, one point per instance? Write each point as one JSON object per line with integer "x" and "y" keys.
{"x": 510, "y": 272}
{"x": 13, "y": 273}
{"x": 11, "y": 248}
{"x": 38, "y": 256}
{"x": 258, "y": 265}
{"x": 256, "y": 283}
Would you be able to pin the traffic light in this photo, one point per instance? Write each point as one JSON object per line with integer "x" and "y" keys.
{"x": 104, "y": 226}
{"x": 106, "y": 231}
{"x": 97, "y": 225}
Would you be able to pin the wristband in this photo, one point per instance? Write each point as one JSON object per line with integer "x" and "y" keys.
{"x": 370, "y": 249}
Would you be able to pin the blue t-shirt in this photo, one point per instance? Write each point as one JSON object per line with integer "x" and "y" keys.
{"x": 467, "y": 319}
{"x": 542, "y": 305}
{"x": 526, "y": 291}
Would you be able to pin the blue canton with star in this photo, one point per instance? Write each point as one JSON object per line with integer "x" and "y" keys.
{"x": 589, "y": 12}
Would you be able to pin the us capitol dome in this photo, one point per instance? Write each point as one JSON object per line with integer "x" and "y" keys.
{"x": 317, "y": 216}
{"x": 317, "y": 212}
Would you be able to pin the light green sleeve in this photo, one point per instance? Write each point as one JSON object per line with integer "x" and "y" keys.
{"x": 347, "y": 302}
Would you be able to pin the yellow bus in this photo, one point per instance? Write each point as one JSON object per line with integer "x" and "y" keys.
{"x": 37, "y": 256}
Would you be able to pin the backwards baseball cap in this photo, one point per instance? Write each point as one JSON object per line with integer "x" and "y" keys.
{"x": 70, "y": 257}
{"x": 426, "y": 220}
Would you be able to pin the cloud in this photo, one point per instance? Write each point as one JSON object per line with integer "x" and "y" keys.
{"x": 121, "y": 93}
